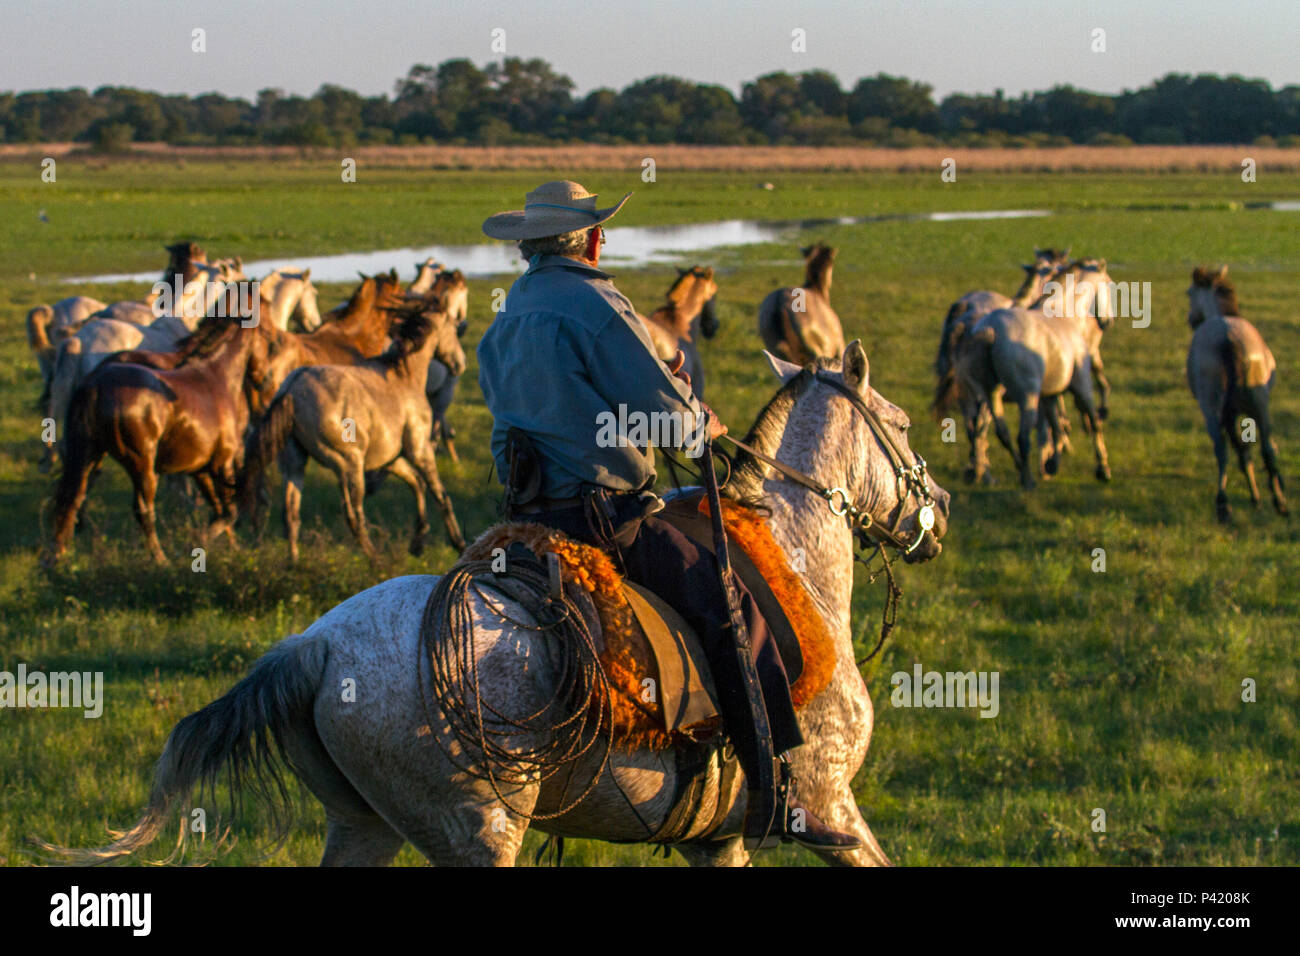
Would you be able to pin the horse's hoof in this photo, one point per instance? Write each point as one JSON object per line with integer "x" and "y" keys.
{"x": 416, "y": 548}
{"x": 988, "y": 479}
{"x": 1104, "y": 412}
{"x": 1281, "y": 507}
{"x": 969, "y": 476}
{"x": 1223, "y": 513}
{"x": 1103, "y": 473}
{"x": 1051, "y": 466}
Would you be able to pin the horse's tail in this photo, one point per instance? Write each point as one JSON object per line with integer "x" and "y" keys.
{"x": 265, "y": 441}
{"x": 239, "y": 738}
{"x": 38, "y": 328}
{"x": 949, "y": 387}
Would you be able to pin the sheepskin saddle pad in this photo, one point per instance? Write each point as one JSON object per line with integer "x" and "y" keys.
{"x": 662, "y": 689}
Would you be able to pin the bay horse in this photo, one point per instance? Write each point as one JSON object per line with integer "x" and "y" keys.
{"x": 377, "y": 765}
{"x": 186, "y": 420}
{"x": 1230, "y": 371}
{"x": 355, "y": 419}
{"x": 798, "y": 324}
{"x": 689, "y": 310}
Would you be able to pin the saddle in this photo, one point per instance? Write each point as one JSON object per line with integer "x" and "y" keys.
{"x": 663, "y": 694}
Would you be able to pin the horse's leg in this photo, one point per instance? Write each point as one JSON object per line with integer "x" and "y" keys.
{"x": 1214, "y": 425}
{"x": 727, "y": 853}
{"x": 1025, "y": 439}
{"x": 352, "y": 479}
{"x": 1268, "y": 447}
{"x": 70, "y": 495}
{"x": 145, "y": 481}
{"x": 1081, "y": 388}
{"x": 209, "y": 491}
{"x": 360, "y": 842}
{"x": 1103, "y": 386}
{"x": 1051, "y": 445}
{"x": 293, "y": 466}
{"x": 998, "y": 411}
{"x": 420, "y": 454}
{"x": 403, "y": 470}
{"x": 1242, "y": 448}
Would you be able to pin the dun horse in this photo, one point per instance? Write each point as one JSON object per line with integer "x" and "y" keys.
{"x": 799, "y": 324}
{"x": 688, "y": 310}
{"x": 187, "y": 420}
{"x": 379, "y": 769}
{"x": 1035, "y": 355}
{"x": 448, "y": 291}
{"x": 1230, "y": 371}
{"x": 356, "y": 419}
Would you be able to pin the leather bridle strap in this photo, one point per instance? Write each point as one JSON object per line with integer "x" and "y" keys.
{"x": 912, "y": 480}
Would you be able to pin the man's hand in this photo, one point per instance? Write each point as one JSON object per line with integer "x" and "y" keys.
{"x": 716, "y": 427}
{"x": 676, "y": 367}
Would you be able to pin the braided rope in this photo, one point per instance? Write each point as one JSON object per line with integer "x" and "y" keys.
{"x": 499, "y": 748}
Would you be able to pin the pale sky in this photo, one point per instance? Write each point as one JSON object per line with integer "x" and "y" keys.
{"x": 956, "y": 45}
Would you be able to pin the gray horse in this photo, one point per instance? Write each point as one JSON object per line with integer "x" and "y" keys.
{"x": 375, "y": 761}
{"x": 360, "y": 418}
{"x": 1230, "y": 371}
{"x": 1035, "y": 355}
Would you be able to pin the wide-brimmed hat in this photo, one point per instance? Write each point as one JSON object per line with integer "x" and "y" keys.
{"x": 549, "y": 210}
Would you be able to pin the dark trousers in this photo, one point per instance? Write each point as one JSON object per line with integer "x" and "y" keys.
{"x": 685, "y": 575}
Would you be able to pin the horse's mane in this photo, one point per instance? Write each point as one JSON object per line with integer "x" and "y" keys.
{"x": 745, "y": 482}
{"x": 211, "y": 333}
{"x": 411, "y": 333}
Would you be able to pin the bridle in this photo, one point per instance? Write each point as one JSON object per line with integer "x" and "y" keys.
{"x": 913, "y": 480}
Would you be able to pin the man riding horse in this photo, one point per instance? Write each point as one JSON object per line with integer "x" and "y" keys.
{"x": 566, "y": 352}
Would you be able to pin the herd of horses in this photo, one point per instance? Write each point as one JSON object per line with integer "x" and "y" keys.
{"x": 214, "y": 389}
{"x": 197, "y": 389}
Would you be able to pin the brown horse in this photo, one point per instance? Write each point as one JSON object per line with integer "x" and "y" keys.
{"x": 688, "y": 309}
{"x": 186, "y": 420}
{"x": 359, "y": 330}
{"x": 799, "y": 324}
{"x": 1230, "y": 371}
{"x": 368, "y": 417}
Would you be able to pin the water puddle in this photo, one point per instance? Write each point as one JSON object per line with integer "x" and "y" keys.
{"x": 629, "y": 247}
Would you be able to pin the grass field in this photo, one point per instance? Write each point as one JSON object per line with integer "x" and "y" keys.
{"x": 1119, "y": 691}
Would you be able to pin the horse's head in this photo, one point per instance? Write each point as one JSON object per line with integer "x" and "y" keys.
{"x": 1211, "y": 295}
{"x": 307, "y": 311}
{"x": 1080, "y": 290}
{"x": 858, "y": 458}
{"x": 818, "y": 260}
{"x": 692, "y": 295}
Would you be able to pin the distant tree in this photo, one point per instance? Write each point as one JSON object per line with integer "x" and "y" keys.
{"x": 895, "y": 99}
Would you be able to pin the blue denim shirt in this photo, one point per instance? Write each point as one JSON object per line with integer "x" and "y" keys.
{"x": 563, "y": 355}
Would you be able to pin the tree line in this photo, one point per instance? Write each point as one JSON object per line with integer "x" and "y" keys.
{"x": 518, "y": 101}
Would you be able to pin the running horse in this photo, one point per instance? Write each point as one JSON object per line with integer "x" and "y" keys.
{"x": 689, "y": 310}
{"x": 185, "y": 420}
{"x": 384, "y": 766}
{"x": 798, "y": 324}
{"x": 1230, "y": 371}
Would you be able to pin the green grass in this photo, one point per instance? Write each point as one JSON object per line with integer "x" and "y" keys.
{"x": 1119, "y": 691}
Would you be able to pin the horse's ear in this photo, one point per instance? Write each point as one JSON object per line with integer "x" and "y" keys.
{"x": 1101, "y": 265}
{"x": 681, "y": 272}
{"x": 856, "y": 369}
{"x": 1030, "y": 269}
{"x": 784, "y": 370}
{"x": 306, "y": 274}
{"x": 1222, "y": 274}
{"x": 806, "y": 251}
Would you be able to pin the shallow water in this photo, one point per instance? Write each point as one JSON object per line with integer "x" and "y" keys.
{"x": 629, "y": 247}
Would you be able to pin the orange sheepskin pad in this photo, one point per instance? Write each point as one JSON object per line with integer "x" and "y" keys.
{"x": 627, "y": 658}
